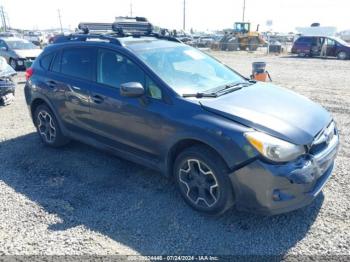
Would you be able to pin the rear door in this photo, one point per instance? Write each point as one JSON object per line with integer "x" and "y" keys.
{"x": 73, "y": 72}
{"x": 131, "y": 124}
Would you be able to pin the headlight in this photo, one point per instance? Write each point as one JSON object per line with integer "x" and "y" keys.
{"x": 273, "y": 148}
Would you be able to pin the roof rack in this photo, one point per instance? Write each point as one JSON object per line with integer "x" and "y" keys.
{"x": 122, "y": 27}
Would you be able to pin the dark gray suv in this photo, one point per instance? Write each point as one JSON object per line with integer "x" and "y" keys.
{"x": 224, "y": 139}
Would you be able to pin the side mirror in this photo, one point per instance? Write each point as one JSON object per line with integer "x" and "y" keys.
{"x": 131, "y": 89}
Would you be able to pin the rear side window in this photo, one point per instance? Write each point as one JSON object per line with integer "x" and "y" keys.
{"x": 45, "y": 61}
{"x": 78, "y": 62}
{"x": 304, "y": 40}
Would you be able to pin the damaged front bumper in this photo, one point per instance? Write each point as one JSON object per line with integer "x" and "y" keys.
{"x": 271, "y": 189}
{"x": 7, "y": 91}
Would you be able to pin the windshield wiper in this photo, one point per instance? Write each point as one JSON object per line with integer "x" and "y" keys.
{"x": 200, "y": 95}
{"x": 230, "y": 87}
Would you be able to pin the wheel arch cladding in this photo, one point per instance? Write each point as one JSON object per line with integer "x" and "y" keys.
{"x": 183, "y": 144}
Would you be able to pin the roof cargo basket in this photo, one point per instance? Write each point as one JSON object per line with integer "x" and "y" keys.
{"x": 132, "y": 26}
{"x": 88, "y": 27}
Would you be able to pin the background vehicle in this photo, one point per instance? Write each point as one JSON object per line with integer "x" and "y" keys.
{"x": 311, "y": 46}
{"x": 37, "y": 38}
{"x": 17, "y": 51}
{"x": 242, "y": 37}
{"x": 7, "y": 85}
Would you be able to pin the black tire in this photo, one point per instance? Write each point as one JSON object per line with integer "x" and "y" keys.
{"x": 13, "y": 63}
{"x": 253, "y": 44}
{"x": 342, "y": 55}
{"x": 215, "y": 186}
{"x": 48, "y": 127}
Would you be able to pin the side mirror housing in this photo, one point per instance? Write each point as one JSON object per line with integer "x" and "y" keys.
{"x": 132, "y": 89}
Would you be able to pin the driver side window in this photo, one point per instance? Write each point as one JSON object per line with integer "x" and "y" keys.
{"x": 114, "y": 69}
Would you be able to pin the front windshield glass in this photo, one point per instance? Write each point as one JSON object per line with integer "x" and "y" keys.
{"x": 21, "y": 45}
{"x": 341, "y": 41}
{"x": 187, "y": 70}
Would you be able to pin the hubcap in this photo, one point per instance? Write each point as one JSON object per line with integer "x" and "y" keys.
{"x": 46, "y": 127}
{"x": 342, "y": 55}
{"x": 199, "y": 183}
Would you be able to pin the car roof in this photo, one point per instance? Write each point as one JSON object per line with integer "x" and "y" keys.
{"x": 9, "y": 39}
{"x": 129, "y": 42}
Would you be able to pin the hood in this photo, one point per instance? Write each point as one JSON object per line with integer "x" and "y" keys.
{"x": 24, "y": 53}
{"x": 273, "y": 110}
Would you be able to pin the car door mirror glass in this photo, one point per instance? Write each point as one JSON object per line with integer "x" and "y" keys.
{"x": 132, "y": 89}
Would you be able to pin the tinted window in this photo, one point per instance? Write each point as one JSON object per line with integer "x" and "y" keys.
{"x": 45, "y": 61}
{"x": 56, "y": 63}
{"x": 304, "y": 40}
{"x": 114, "y": 69}
{"x": 78, "y": 62}
{"x": 2, "y": 44}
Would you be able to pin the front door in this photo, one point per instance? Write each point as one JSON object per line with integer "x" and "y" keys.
{"x": 132, "y": 124}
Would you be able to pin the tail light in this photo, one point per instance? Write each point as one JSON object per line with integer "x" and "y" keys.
{"x": 29, "y": 73}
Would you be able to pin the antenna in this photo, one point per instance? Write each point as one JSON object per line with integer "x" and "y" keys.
{"x": 60, "y": 19}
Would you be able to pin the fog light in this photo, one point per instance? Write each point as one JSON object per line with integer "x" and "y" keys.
{"x": 278, "y": 195}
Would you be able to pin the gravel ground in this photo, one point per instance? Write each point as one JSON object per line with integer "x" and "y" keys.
{"x": 79, "y": 200}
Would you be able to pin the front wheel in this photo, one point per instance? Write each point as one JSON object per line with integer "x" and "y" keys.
{"x": 342, "y": 55}
{"x": 48, "y": 128}
{"x": 202, "y": 179}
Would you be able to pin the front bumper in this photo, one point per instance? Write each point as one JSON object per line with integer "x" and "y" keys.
{"x": 271, "y": 189}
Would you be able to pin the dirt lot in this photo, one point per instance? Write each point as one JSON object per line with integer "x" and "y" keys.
{"x": 79, "y": 200}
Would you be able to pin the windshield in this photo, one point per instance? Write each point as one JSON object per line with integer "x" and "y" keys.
{"x": 21, "y": 45}
{"x": 187, "y": 70}
{"x": 341, "y": 41}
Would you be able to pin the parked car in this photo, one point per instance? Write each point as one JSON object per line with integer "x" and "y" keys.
{"x": 7, "y": 85}
{"x": 17, "y": 51}
{"x": 311, "y": 46}
{"x": 37, "y": 38}
{"x": 224, "y": 139}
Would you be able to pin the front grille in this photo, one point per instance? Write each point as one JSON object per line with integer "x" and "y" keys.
{"x": 322, "y": 139}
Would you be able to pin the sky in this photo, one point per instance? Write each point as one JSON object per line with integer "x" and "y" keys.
{"x": 200, "y": 14}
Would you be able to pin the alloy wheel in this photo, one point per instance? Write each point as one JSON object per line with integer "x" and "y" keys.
{"x": 46, "y": 127}
{"x": 199, "y": 183}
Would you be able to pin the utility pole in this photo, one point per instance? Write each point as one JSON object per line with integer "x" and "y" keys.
{"x": 3, "y": 18}
{"x": 60, "y": 19}
{"x": 184, "y": 17}
{"x": 130, "y": 8}
{"x": 243, "y": 10}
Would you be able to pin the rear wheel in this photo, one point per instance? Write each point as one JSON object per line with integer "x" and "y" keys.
{"x": 202, "y": 179}
{"x": 342, "y": 55}
{"x": 48, "y": 128}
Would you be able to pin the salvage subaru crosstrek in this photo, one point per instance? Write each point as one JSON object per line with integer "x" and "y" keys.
{"x": 146, "y": 97}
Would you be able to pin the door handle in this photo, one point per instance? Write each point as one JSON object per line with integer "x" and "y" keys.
{"x": 51, "y": 84}
{"x": 97, "y": 99}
